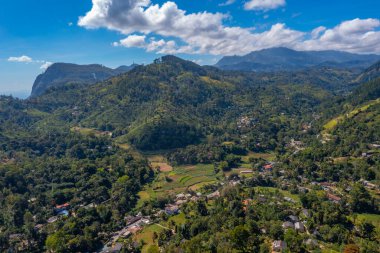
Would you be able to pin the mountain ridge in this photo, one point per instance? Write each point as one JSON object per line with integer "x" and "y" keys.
{"x": 285, "y": 59}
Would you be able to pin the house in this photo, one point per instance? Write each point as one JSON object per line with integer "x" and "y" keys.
{"x": 194, "y": 198}
{"x": 215, "y": 194}
{"x": 333, "y": 198}
{"x": 63, "y": 206}
{"x": 289, "y": 199}
{"x": 293, "y": 218}
{"x": 52, "y": 219}
{"x": 278, "y": 246}
{"x": 116, "y": 248}
{"x": 15, "y": 237}
{"x": 180, "y": 196}
{"x": 63, "y": 213}
{"x": 268, "y": 167}
{"x": 246, "y": 172}
{"x": 300, "y": 227}
{"x": 287, "y": 225}
{"x": 180, "y": 202}
{"x": 62, "y": 209}
{"x": 134, "y": 229}
{"x": 131, "y": 219}
{"x": 171, "y": 209}
{"x": 38, "y": 227}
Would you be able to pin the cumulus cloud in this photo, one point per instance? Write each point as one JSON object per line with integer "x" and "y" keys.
{"x": 205, "y": 33}
{"x": 264, "y": 4}
{"x": 46, "y": 65}
{"x": 132, "y": 41}
{"x": 357, "y": 35}
{"x": 23, "y": 58}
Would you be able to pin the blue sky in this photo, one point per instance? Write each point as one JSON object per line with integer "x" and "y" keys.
{"x": 120, "y": 32}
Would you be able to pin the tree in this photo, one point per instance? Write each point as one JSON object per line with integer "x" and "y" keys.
{"x": 56, "y": 242}
{"x": 366, "y": 230}
{"x": 239, "y": 236}
{"x": 361, "y": 200}
{"x": 201, "y": 208}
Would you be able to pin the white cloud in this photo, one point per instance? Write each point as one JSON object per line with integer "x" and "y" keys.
{"x": 264, "y": 4}
{"x": 46, "y": 65}
{"x": 27, "y": 59}
{"x": 227, "y": 2}
{"x": 357, "y": 35}
{"x": 23, "y": 58}
{"x": 132, "y": 41}
{"x": 205, "y": 32}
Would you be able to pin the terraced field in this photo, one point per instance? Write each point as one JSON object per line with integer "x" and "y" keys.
{"x": 179, "y": 179}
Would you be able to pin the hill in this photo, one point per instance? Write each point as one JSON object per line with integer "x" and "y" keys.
{"x": 172, "y": 103}
{"x": 370, "y": 73}
{"x": 285, "y": 59}
{"x": 60, "y": 74}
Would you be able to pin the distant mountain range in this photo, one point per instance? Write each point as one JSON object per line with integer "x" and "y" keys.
{"x": 285, "y": 59}
{"x": 60, "y": 74}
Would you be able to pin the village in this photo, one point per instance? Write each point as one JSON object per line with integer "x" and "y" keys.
{"x": 135, "y": 224}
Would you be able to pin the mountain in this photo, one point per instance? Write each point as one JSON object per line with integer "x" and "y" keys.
{"x": 60, "y": 74}
{"x": 285, "y": 59}
{"x": 370, "y": 73}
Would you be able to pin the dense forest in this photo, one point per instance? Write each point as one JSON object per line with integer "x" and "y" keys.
{"x": 74, "y": 160}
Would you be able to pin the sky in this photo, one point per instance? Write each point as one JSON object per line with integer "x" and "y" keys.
{"x": 35, "y": 34}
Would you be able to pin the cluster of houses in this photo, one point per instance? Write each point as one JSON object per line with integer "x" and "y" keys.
{"x": 133, "y": 224}
{"x": 330, "y": 191}
{"x": 369, "y": 185}
{"x": 136, "y": 223}
{"x": 60, "y": 211}
{"x": 182, "y": 198}
{"x": 294, "y": 222}
{"x": 244, "y": 122}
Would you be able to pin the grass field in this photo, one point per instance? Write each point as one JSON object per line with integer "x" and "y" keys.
{"x": 265, "y": 156}
{"x": 372, "y": 218}
{"x": 178, "y": 180}
{"x": 146, "y": 235}
{"x": 285, "y": 193}
{"x": 334, "y": 122}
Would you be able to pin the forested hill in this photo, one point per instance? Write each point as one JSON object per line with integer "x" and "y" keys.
{"x": 172, "y": 103}
{"x": 60, "y": 74}
{"x": 370, "y": 73}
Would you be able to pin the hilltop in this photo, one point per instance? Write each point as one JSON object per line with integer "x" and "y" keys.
{"x": 59, "y": 74}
